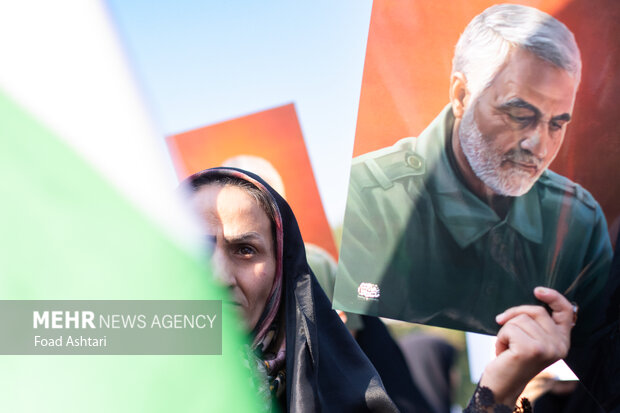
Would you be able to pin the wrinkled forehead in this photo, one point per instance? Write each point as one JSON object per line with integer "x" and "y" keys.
{"x": 536, "y": 81}
{"x": 229, "y": 209}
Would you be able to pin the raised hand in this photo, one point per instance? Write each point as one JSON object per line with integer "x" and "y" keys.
{"x": 530, "y": 340}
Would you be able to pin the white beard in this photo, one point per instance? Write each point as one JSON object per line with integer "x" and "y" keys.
{"x": 487, "y": 161}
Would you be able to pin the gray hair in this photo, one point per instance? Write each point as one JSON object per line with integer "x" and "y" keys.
{"x": 488, "y": 39}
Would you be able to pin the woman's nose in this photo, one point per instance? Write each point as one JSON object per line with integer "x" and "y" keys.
{"x": 221, "y": 270}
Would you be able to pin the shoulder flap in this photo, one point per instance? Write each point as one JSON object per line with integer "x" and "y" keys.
{"x": 384, "y": 166}
{"x": 559, "y": 182}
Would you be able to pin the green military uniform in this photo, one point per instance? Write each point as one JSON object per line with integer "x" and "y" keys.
{"x": 419, "y": 246}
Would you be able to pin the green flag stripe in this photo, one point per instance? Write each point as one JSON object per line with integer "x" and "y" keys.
{"x": 67, "y": 234}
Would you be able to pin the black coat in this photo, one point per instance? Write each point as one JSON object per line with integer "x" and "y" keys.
{"x": 597, "y": 361}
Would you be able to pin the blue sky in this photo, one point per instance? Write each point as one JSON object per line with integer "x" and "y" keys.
{"x": 199, "y": 63}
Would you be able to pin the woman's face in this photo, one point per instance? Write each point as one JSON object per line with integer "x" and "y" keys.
{"x": 243, "y": 248}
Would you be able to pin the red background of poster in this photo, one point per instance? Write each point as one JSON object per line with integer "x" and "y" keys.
{"x": 407, "y": 72}
{"x": 274, "y": 135}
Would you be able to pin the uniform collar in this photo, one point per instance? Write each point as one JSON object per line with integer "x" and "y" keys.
{"x": 465, "y": 216}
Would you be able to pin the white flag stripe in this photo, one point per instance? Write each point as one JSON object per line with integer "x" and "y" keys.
{"x": 63, "y": 62}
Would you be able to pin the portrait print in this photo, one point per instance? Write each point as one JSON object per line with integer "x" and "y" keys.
{"x": 481, "y": 152}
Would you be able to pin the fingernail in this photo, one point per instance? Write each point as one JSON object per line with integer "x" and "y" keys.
{"x": 541, "y": 290}
{"x": 499, "y": 318}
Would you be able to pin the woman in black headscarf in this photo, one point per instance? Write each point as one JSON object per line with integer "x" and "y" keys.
{"x": 310, "y": 360}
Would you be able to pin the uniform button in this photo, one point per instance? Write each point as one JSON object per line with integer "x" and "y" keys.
{"x": 414, "y": 161}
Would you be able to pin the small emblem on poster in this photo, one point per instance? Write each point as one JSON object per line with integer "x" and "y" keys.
{"x": 368, "y": 291}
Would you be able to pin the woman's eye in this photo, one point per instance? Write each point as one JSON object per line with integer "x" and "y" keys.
{"x": 210, "y": 243}
{"x": 246, "y": 250}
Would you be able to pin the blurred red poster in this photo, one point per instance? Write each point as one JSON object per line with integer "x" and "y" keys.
{"x": 274, "y": 136}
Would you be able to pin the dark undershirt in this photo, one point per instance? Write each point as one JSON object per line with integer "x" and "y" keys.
{"x": 498, "y": 203}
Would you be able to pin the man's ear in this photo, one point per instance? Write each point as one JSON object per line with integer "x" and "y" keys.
{"x": 459, "y": 94}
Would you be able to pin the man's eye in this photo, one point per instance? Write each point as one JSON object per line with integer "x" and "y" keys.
{"x": 521, "y": 120}
{"x": 555, "y": 126}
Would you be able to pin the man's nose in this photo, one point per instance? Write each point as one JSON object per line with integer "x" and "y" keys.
{"x": 536, "y": 141}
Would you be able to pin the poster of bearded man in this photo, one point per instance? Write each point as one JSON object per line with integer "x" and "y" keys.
{"x": 463, "y": 220}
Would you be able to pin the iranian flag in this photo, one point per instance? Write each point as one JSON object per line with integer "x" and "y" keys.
{"x": 89, "y": 211}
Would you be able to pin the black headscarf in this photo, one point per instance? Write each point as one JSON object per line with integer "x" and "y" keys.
{"x": 430, "y": 360}
{"x": 325, "y": 369}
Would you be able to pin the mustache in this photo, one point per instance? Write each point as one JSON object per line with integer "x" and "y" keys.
{"x": 522, "y": 156}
